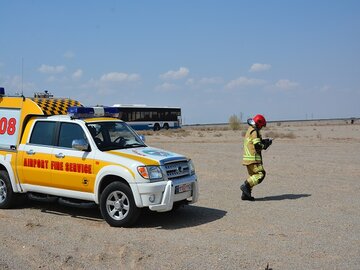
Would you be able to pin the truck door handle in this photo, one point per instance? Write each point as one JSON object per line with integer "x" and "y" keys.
{"x": 30, "y": 152}
{"x": 60, "y": 155}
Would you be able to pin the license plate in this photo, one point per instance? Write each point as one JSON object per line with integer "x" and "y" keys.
{"x": 182, "y": 188}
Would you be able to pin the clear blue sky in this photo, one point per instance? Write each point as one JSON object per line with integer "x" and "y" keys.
{"x": 285, "y": 59}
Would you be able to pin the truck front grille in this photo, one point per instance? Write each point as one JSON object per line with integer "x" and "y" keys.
{"x": 177, "y": 169}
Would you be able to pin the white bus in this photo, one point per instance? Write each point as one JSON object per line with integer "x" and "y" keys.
{"x": 143, "y": 117}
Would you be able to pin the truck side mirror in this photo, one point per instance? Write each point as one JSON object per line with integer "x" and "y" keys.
{"x": 142, "y": 137}
{"x": 80, "y": 144}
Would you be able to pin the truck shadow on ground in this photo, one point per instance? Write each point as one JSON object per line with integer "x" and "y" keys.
{"x": 283, "y": 197}
{"x": 186, "y": 216}
{"x": 91, "y": 213}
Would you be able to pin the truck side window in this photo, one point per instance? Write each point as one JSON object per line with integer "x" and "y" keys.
{"x": 43, "y": 133}
{"x": 68, "y": 133}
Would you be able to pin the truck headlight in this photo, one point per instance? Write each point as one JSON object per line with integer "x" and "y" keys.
{"x": 191, "y": 167}
{"x": 150, "y": 172}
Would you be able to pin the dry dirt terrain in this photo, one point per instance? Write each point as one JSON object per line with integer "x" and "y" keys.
{"x": 306, "y": 214}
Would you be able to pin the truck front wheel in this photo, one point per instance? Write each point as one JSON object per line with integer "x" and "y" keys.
{"x": 6, "y": 192}
{"x": 117, "y": 205}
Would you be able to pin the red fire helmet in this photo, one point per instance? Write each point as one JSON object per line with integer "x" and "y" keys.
{"x": 259, "y": 121}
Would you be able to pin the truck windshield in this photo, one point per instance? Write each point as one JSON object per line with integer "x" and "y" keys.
{"x": 114, "y": 135}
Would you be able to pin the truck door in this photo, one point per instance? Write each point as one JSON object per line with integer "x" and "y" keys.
{"x": 36, "y": 154}
{"x": 72, "y": 169}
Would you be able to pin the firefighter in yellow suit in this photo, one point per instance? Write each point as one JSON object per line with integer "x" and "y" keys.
{"x": 252, "y": 159}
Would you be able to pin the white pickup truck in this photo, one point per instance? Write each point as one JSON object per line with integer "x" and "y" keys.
{"x": 87, "y": 155}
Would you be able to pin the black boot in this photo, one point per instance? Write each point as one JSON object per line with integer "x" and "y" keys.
{"x": 246, "y": 189}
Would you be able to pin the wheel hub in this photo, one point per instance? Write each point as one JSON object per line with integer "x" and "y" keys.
{"x": 118, "y": 205}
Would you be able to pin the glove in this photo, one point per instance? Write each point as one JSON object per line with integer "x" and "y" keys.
{"x": 267, "y": 143}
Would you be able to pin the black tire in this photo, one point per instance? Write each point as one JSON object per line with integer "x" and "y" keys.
{"x": 156, "y": 127}
{"x": 117, "y": 205}
{"x": 166, "y": 126}
{"x": 6, "y": 193}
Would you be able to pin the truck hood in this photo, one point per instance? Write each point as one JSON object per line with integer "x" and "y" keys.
{"x": 147, "y": 155}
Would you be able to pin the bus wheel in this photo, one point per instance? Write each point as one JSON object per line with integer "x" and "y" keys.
{"x": 166, "y": 126}
{"x": 6, "y": 192}
{"x": 156, "y": 127}
{"x": 117, "y": 205}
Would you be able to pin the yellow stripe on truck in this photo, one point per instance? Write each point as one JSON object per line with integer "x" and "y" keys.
{"x": 144, "y": 160}
{"x": 99, "y": 164}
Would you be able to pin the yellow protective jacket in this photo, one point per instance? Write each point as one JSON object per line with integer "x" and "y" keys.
{"x": 252, "y": 147}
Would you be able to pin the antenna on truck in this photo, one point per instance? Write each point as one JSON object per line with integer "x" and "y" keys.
{"x": 22, "y": 76}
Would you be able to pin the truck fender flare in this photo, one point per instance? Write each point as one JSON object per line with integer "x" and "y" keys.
{"x": 5, "y": 161}
{"x": 122, "y": 172}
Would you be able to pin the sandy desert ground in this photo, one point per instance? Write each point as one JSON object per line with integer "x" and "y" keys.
{"x": 306, "y": 216}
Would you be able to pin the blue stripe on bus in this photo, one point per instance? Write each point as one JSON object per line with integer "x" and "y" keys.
{"x": 146, "y": 126}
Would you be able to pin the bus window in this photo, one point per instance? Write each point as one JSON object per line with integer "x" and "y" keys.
{"x": 144, "y": 117}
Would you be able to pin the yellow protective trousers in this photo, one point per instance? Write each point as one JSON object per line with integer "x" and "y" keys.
{"x": 256, "y": 174}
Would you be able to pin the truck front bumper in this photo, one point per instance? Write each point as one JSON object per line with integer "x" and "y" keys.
{"x": 161, "y": 196}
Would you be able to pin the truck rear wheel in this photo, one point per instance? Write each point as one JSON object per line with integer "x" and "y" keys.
{"x": 117, "y": 205}
{"x": 6, "y": 192}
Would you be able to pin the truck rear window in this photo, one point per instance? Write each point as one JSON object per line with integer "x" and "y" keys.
{"x": 43, "y": 133}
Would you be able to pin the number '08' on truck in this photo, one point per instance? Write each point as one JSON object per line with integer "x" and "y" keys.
{"x": 56, "y": 148}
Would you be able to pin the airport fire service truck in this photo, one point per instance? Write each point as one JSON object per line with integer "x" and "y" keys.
{"x": 57, "y": 148}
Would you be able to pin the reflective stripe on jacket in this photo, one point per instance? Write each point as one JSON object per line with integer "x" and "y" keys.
{"x": 252, "y": 138}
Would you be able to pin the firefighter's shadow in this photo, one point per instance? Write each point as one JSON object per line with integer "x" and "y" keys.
{"x": 283, "y": 197}
{"x": 187, "y": 216}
